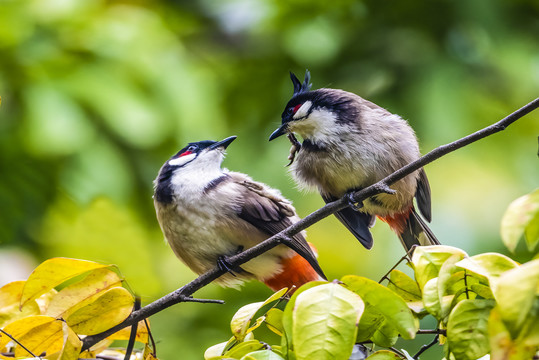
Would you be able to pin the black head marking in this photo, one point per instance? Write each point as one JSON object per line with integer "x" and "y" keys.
{"x": 301, "y": 87}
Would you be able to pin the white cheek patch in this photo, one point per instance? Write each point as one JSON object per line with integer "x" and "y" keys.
{"x": 303, "y": 110}
{"x": 182, "y": 160}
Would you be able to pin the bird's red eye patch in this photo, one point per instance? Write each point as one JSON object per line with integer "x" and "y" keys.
{"x": 187, "y": 152}
{"x": 296, "y": 108}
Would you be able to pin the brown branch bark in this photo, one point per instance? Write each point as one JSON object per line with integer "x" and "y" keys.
{"x": 184, "y": 293}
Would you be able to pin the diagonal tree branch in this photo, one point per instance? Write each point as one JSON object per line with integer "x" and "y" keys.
{"x": 184, "y": 293}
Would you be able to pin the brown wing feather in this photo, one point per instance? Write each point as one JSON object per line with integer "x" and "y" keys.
{"x": 271, "y": 213}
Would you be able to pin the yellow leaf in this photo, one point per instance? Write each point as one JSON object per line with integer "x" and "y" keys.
{"x": 10, "y": 297}
{"x": 52, "y": 273}
{"x": 37, "y": 333}
{"x": 81, "y": 293}
{"x": 108, "y": 310}
{"x": 72, "y": 344}
{"x": 125, "y": 333}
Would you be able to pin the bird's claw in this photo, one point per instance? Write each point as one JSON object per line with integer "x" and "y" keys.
{"x": 356, "y": 206}
{"x": 224, "y": 265}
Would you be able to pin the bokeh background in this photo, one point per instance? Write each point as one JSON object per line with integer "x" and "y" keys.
{"x": 97, "y": 94}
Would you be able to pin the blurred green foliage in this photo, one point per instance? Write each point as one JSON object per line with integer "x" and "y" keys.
{"x": 97, "y": 94}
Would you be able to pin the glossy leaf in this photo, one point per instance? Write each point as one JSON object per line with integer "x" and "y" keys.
{"x": 241, "y": 321}
{"x": 427, "y": 261}
{"x": 489, "y": 265}
{"x": 389, "y": 304}
{"x": 325, "y": 322}
{"x": 404, "y": 286}
{"x": 467, "y": 333}
{"x": 384, "y": 355}
{"x": 108, "y": 310}
{"x": 10, "y": 297}
{"x": 521, "y": 217}
{"x": 79, "y": 294}
{"x": 274, "y": 321}
{"x": 286, "y": 340}
{"x": 243, "y": 349}
{"x": 262, "y": 355}
{"x": 431, "y": 300}
{"x": 52, "y": 273}
{"x": 445, "y": 278}
{"x": 515, "y": 294}
{"x": 215, "y": 351}
{"x": 385, "y": 335}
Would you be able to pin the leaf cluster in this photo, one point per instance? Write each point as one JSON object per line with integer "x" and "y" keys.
{"x": 62, "y": 301}
{"x": 483, "y": 304}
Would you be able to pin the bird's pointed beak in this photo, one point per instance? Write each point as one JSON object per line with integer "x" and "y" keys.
{"x": 281, "y": 130}
{"x": 223, "y": 143}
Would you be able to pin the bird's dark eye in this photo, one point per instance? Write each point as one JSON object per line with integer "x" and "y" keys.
{"x": 296, "y": 108}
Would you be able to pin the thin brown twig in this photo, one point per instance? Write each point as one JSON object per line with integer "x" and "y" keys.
{"x": 187, "y": 290}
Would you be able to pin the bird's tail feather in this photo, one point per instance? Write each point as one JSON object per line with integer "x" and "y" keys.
{"x": 411, "y": 229}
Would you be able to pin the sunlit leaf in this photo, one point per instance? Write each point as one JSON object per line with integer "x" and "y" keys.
{"x": 386, "y": 335}
{"x": 214, "y": 351}
{"x": 519, "y": 218}
{"x": 427, "y": 261}
{"x": 446, "y": 277}
{"x": 286, "y": 339}
{"x": 108, "y": 310}
{"x": 38, "y": 333}
{"x": 10, "y": 297}
{"x": 79, "y": 294}
{"x": 325, "y": 322}
{"x": 404, "y": 286}
{"x": 392, "y": 306}
{"x": 243, "y": 349}
{"x": 503, "y": 347}
{"x": 262, "y": 355}
{"x": 53, "y": 272}
{"x": 72, "y": 344}
{"x": 274, "y": 321}
{"x": 431, "y": 299}
{"x": 467, "y": 332}
{"x": 482, "y": 290}
{"x": 515, "y": 294}
{"x": 488, "y": 265}
{"x": 384, "y": 355}
{"x": 241, "y": 321}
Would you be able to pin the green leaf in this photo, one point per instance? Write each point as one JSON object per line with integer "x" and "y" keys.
{"x": 215, "y": 351}
{"x": 384, "y": 355}
{"x": 488, "y": 266}
{"x": 274, "y": 321}
{"x": 371, "y": 320}
{"x": 482, "y": 290}
{"x": 427, "y": 261}
{"x": 286, "y": 340}
{"x": 431, "y": 300}
{"x": 519, "y": 218}
{"x": 325, "y": 322}
{"x": 445, "y": 280}
{"x": 389, "y": 304}
{"x": 515, "y": 293}
{"x": 262, "y": 355}
{"x": 503, "y": 347}
{"x": 243, "y": 349}
{"x": 467, "y": 333}
{"x": 404, "y": 286}
{"x": 385, "y": 335}
{"x": 241, "y": 321}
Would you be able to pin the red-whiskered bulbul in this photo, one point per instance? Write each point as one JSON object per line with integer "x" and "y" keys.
{"x": 348, "y": 144}
{"x": 208, "y": 213}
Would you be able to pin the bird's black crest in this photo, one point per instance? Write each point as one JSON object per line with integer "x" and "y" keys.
{"x": 298, "y": 86}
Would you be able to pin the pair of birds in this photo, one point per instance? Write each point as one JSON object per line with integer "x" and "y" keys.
{"x": 207, "y": 213}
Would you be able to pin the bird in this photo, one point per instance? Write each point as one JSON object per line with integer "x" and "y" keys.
{"x": 208, "y": 213}
{"x": 348, "y": 144}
